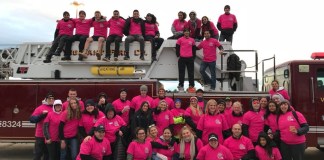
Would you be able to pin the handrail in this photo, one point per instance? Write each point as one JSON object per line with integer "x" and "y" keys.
{"x": 230, "y": 71}
{"x": 274, "y": 69}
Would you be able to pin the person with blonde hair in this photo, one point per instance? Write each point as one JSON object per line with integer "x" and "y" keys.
{"x": 193, "y": 113}
{"x": 213, "y": 122}
{"x": 236, "y": 116}
{"x": 189, "y": 145}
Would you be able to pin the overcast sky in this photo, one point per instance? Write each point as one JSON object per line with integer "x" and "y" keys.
{"x": 289, "y": 29}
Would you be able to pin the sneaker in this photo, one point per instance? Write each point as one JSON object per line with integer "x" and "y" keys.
{"x": 126, "y": 58}
{"x": 115, "y": 58}
{"x": 98, "y": 56}
{"x": 47, "y": 61}
{"x": 181, "y": 89}
{"x": 191, "y": 89}
{"x": 66, "y": 58}
{"x": 107, "y": 59}
{"x": 154, "y": 59}
{"x": 83, "y": 55}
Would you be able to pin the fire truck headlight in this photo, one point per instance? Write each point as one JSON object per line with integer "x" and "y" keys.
{"x": 16, "y": 110}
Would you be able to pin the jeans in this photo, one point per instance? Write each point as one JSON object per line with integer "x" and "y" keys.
{"x": 132, "y": 38}
{"x": 292, "y": 151}
{"x": 73, "y": 143}
{"x": 182, "y": 64}
{"x": 40, "y": 149}
{"x": 212, "y": 68}
{"x": 110, "y": 39}
{"x": 54, "y": 150}
{"x": 81, "y": 38}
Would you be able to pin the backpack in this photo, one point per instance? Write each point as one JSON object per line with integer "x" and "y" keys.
{"x": 234, "y": 64}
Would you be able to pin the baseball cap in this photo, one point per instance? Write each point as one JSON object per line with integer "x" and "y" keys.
{"x": 212, "y": 136}
{"x": 143, "y": 88}
{"x": 100, "y": 128}
{"x": 57, "y": 102}
{"x": 228, "y": 99}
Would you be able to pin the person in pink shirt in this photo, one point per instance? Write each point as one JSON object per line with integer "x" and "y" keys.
{"x": 114, "y": 126}
{"x": 50, "y": 129}
{"x": 116, "y": 24}
{"x": 152, "y": 33}
{"x": 163, "y": 117}
{"x": 194, "y": 25}
{"x": 178, "y": 118}
{"x": 72, "y": 94}
{"x": 134, "y": 30}
{"x": 227, "y": 24}
{"x": 236, "y": 116}
{"x": 270, "y": 118}
{"x": 138, "y": 100}
{"x": 293, "y": 127}
{"x": 266, "y": 149}
{"x": 64, "y": 31}
{"x": 276, "y": 89}
{"x": 152, "y": 133}
{"x": 193, "y": 114}
{"x": 209, "y": 46}
{"x": 228, "y": 105}
{"x": 167, "y": 140}
{"x": 253, "y": 121}
{"x": 82, "y": 29}
{"x": 201, "y": 101}
{"x": 122, "y": 105}
{"x": 38, "y": 117}
{"x": 100, "y": 25}
{"x": 208, "y": 25}
{"x": 178, "y": 25}
{"x": 221, "y": 106}
{"x": 140, "y": 148}
{"x": 214, "y": 150}
{"x": 89, "y": 117}
{"x": 263, "y": 103}
{"x": 98, "y": 147}
{"x": 189, "y": 145}
{"x": 162, "y": 96}
{"x": 186, "y": 53}
{"x": 68, "y": 129}
{"x": 240, "y": 146}
{"x": 212, "y": 122}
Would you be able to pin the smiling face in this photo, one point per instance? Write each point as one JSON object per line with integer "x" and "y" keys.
{"x": 263, "y": 141}
{"x": 212, "y": 108}
{"x": 73, "y": 104}
{"x": 141, "y": 135}
{"x": 237, "y": 130}
{"x": 145, "y": 107}
{"x": 275, "y": 85}
{"x": 99, "y": 134}
{"x": 284, "y": 107}
{"x": 163, "y": 106}
{"x": 263, "y": 102}
{"x": 167, "y": 134}
{"x": 186, "y": 134}
{"x": 256, "y": 104}
{"x": 272, "y": 107}
{"x": 123, "y": 95}
{"x": 90, "y": 108}
{"x": 153, "y": 131}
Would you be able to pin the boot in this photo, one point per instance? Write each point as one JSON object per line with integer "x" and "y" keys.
{"x": 66, "y": 58}
{"x": 48, "y": 59}
{"x": 126, "y": 56}
{"x": 142, "y": 56}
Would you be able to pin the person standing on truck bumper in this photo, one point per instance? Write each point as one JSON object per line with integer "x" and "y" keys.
{"x": 38, "y": 117}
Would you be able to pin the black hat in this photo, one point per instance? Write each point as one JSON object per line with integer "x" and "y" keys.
{"x": 50, "y": 94}
{"x": 200, "y": 90}
{"x": 99, "y": 128}
{"x": 90, "y": 102}
{"x": 102, "y": 94}
{"x": 212, "y": 136}
{"x": 221, "y": 101}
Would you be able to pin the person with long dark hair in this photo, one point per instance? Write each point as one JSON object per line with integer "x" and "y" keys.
{"x": 270, "y": 118}
{"x": 266, "y": 149}
{"x": 152, "y": 33}
{"x": 140, "y": 148}
{"x": 208, "y": 25}
{"x": 142, "y": 118}
{"x": 178, "y": 25}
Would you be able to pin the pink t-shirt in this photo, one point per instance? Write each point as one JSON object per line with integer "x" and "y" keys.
{"x": 65, "y": 28}
{"x": 140, "y": 151}
{"x": 199, "y": 145}
{"x": 227, "y": 21}
{"x": 66, "y": 104}
{"x": 38, "y": 111}
{"x": 138, "y": 100}
{"x": 285, "y": 122}
{"x": 53, "y": 120}
{"x": 177, "y": 112}
{"x": 88, "y": 121}
{"x": 151, "y": 29}
{"x": 135, "y": 28}
{"x": 212, "y": 124}
{"x": 209, "y": 47}
{"x": 255, "y": 121}
{"x": 210, "y": 27}
{"x": 219, "y": 153}
{"x": 167, "y": 152}
{"x": 111, "y": 126}
{"x": 193, "y": 28}
{"x": 238, "y": 147}
{"x": 186, "y": 46}
{"x": 271, "y": 121}
{"x": 100, "y": 28}
{"x": 201, "y": 105}
{"x": 116, "y": 26}
{"x": 282, "y": 92}
{"x": 262, "y": 154}
{"x": 71, "y": 126}
{"x": 195, "y": 117}
{"x": 163, "y": 120}
{"x": 95, "y": 149}
{"x": 231, "y": 120}
{"x": 82, "y": 27}
{"x": 179, "y": 25}
{"x": 169, "y": 101}
{"x": 228, "y": 110}
{"x": 119, "y": 106}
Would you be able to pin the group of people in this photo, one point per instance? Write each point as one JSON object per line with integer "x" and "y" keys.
{"x": 135, "y": 28}
{"x": 163, "y": 128}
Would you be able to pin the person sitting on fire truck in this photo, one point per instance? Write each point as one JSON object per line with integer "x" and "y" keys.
{"x": 276, "y": 89}
{"x": 38, "y": 117}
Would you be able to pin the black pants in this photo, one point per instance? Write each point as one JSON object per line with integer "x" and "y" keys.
{"x": 81, "y": 38}
{"x": 292, "y": 151}
{"x": 54, "y": 150}
{"x": 117, "y": 40}
{"x": 226, "y": 36}
{"x": 182, "y": 64}
{"x": 40, "y": 149}
{"x": 57, "y": 45}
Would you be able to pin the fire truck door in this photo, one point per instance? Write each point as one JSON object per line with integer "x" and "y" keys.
{"x": 318, "y": 100}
